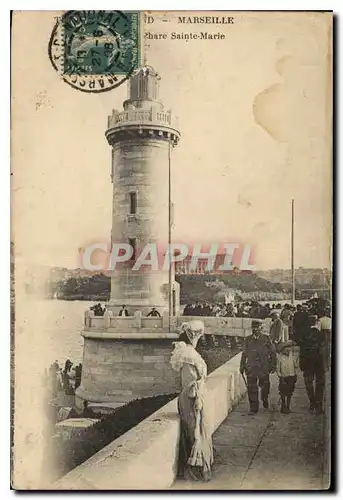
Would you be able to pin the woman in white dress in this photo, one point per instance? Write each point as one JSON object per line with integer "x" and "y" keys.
{"x": 195, "y": 448}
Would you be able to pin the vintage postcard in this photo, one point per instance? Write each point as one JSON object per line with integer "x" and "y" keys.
{"x": 171, "y": 250}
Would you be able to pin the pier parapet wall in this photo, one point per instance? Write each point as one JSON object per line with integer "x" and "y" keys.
{"x": 151, "y": 447}
{"x": 235, "y": 327}
{"x": 126, "y": 358}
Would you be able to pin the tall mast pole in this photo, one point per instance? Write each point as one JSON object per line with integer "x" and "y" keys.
{"x": 169, "y": 233}
{"x": 292, "y": 255}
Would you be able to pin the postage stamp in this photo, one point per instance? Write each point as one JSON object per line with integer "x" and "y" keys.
{"x": 96, "y": 51}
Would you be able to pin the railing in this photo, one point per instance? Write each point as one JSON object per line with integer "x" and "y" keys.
{"x": 124, "y": 323}
{"x": 224, "y": 326}
{"x": 152, "y": 322}
{"x": 141, "y": 116}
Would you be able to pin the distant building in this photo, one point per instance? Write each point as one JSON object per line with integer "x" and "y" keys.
{"x": 185, "y": 267}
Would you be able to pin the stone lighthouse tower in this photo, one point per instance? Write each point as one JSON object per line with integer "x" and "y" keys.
{"x": 142, "y": 137}
{"x": 125, "y": 358}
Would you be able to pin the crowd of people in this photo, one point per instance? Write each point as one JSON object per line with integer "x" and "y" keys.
{"x": 307, "y": 350}
{"x": 248, "y": 309}
{"x": 253, "y": 309}
{"x": 263, "y": 355}
{"x": 65, "y": 380}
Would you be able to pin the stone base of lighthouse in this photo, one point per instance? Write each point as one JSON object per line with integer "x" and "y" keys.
{"x": 118, "y": 368}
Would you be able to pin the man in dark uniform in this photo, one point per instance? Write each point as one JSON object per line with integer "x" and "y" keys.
{"x": 300, "y": 324}
{"x": 258, "y": 361}
{"x": 154, "y": 312}
{"x": 312, "y": 346}
{"x": 123, "y": 311}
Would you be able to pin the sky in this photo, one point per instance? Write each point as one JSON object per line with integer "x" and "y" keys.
{"x": 254, "y": 112}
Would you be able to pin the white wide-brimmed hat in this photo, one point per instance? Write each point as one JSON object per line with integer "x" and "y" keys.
{"x": 193, "y": 329}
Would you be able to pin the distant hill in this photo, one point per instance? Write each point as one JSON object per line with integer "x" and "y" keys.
{"x": 214, "y": 288}
{"x": 77, "y": 284}
{"x": 202, "y": 287}
{"x": 96, "y": 287}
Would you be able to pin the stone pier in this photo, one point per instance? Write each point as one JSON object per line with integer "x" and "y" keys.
{"x": 125, "y": 358}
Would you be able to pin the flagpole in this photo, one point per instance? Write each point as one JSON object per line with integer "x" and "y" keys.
{"x": 292, "y": 255}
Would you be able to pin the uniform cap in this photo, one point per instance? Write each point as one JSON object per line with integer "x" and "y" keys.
{"x": 256, "y": 323}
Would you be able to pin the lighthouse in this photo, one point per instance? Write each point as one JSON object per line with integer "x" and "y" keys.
{"x": 142, "y": 137}
{"x": 126, "y": 358}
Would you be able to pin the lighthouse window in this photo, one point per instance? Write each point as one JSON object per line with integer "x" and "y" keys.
{"x": 132, "y": 243}
{"x": 133, "y": 203}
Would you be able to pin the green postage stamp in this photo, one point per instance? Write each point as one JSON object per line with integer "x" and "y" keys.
{"x": 95, "y": 51}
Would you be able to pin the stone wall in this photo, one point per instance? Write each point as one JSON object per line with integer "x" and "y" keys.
{"x": 122, "y": 369}
{"x": 128, "y": 358}
{"x": 235, "y": 327}
{"x": 146, "y": 456}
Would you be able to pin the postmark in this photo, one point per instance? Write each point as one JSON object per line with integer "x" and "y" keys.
{"x": 96, "y": 51}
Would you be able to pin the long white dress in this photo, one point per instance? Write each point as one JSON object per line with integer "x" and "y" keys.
{"x": 195, "y": 448}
